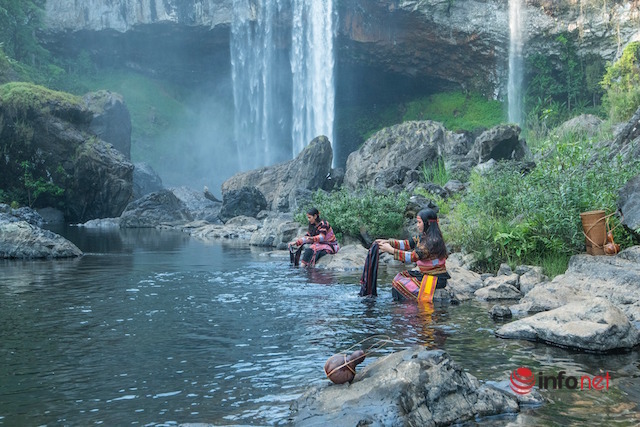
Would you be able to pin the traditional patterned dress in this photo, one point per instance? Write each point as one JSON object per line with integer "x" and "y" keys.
{"x": 421, "y": 282}
{"x": 323, "y": 241}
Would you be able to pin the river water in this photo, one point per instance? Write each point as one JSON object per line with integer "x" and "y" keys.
{"x": 157, "y": 328}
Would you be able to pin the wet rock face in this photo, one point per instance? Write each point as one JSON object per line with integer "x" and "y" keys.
{"x": 111, "y": 121}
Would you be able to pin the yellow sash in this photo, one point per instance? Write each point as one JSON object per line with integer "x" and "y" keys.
{"x": 427, "y": 288}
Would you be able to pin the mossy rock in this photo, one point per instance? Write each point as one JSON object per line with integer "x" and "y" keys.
{"x": 22, "y": 99}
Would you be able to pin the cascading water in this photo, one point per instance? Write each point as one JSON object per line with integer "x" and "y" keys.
{"x": 256, "y": 74}
{"x": 283, "y": 99}
{"x": 516, "y": 68}
{"x": 312, "y": 64}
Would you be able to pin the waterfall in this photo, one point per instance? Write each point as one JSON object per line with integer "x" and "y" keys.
{"x": 312, "y": 65}
{"x": 283, "y": 98}
{"x": 256, "y": 73}
{"x": 516, "y": 67}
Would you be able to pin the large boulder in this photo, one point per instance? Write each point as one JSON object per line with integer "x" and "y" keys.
{"x": 102, "y": 182}
{"x": 111, "y": 121}
{"x": 385, "y": 158}
{"x": 414, "y": 387}
{"x": 245, "y": 201}
{"x": 499, "y": 143}
{"x": 629, "y": 204}
{"x": 278, "y": 184}
{"x": 276, "y": 231}
{"x": 584, "y": 124}
{"x": 614, "y": 278}
{"x": 161, "y": 208}
{"x": 199, "y": 206}
{"x": 54, "y": 144}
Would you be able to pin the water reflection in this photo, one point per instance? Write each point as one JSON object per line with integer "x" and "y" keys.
{"x": 175, "y": 330}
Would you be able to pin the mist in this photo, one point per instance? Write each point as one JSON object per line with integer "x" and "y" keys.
{"x": 201, "y": 151}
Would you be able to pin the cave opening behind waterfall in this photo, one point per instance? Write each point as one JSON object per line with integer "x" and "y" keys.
{"x": 370, "y": 98}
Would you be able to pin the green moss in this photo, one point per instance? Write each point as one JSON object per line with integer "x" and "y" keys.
{"x": 457, "y": 110}
{"x": 20, "y": 97}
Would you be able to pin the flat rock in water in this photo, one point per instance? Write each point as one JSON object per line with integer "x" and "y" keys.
{"x": 593, "y": 325}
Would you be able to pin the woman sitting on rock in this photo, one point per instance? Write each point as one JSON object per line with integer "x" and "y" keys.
{"x": 428, "y": 251}
{"x": 321, "y": 237}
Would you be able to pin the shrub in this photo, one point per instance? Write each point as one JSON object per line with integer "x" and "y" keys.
{"x": 381, "y": 214}
{"x": 535, "y": 218}
{"x": 40, "y": 186}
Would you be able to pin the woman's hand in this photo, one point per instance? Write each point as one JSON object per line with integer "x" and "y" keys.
{"x": 381, "y": 241}
{"x": 298, "y": 242}
{"x": 386, "y": 247}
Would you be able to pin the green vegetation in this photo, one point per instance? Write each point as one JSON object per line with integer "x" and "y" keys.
{"x": 436, "y": 173}
{"x": 622, "y": 83}
{"x": 19, "y": 21}
{"x": 457, "y": 111}
{"x": 382, "y": 215}
{"x": 40, "y": 186}
{"x": 561, "y": 87}
{"x": 19, "y": 98}
{"x": 535, "y": 218}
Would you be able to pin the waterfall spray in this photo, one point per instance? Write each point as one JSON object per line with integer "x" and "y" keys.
{"x": 516, "y": 67}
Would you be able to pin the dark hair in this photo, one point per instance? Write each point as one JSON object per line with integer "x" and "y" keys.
{"x": 432, "y": 236}
{"x": 312, "y": 227}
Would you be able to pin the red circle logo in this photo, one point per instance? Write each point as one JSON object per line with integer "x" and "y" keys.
{"x": 522, "y": 380}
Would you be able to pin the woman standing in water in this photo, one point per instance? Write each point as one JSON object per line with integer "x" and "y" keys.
{"x": 321, "y": 237}
{"x": 428, "y": 251}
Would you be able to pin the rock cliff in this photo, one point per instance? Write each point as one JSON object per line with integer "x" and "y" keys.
{"x": 460, "y": 42}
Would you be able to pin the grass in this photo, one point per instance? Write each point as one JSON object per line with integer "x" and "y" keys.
{"x": 457, "y": 111}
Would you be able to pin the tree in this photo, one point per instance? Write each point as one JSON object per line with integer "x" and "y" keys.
{"x": 19, "y": 21}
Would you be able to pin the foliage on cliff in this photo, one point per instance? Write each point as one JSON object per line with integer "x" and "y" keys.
{"x": 622, "y": 83}
{"x": 558, "y": 88}
{"x": 19, "y": 21}
{"x": 457, "y": 110}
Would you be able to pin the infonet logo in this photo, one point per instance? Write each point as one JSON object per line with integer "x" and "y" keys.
{"x": 522, "y": 381}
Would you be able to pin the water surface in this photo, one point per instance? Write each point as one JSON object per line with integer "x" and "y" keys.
{"x": 157, "y": 328}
